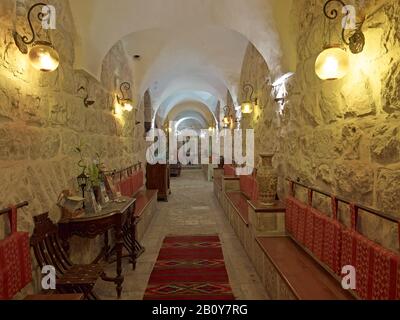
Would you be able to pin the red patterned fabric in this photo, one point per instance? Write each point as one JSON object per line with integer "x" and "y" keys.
{"x": 384, "y": 274}
{"x": 296, "y": 216}
{"x": 126, "y": 187}
{"x": 15, "y": 261}
{"x": 140, "y": 180}
{"x": 331, "y": 250}
{"x": 319, "y": 233}
{"x": 229, "y": 170}
{"x": 291, "y": 215}
{"x": 190, "y": 268}
{"x": 301, "y": 225}
{"x": 249, "y": 187}
{"x": 309, "y": 230}
{"x": 134, "y": 182}
{"x": 326, "y": 238}
{"x": 377, "y": 268}
{"x": 348, "y": 249}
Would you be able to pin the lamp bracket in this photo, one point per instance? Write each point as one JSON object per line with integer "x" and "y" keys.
{"x": 248, "y": 88}
{"x": 356, "y": 41}
{"x": 125, "y": 86}
{"x": 23, "y": 41}
{"x": 86, "y": 100}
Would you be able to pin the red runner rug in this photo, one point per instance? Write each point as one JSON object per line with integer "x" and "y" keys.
{"x": 190, "y": 268}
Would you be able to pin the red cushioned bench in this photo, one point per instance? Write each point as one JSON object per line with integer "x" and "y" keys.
{"x": 132, "y": 185}
{"x": 223, "y": 179}
{"x": 290, "y": 273}
{"x": 236, "y": 206}
{"x": 239, "y": 199}
{"x": 317, "y": 249}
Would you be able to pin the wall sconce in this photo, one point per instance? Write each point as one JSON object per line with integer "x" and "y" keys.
{"x": 356, "y": 41}
{"x": 42, "y": 55}
{"x": 228, "y": 117}
{"x": 124, "y": 101}
{"x": 86, "y": 100}
{"x": 333, "y": 62}
{"x": 248, "y": 105}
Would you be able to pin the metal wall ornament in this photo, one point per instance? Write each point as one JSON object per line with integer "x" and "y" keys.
{"x": 125, "y": 101}
{"x": 42, "y": 55}
{"x": 86, "y": 100}
{"x": 248, "y": 105}
{"x": 356, "y": 41}
{"x": 228, "y": 118}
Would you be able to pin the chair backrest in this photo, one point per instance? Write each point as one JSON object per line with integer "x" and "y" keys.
{"x": 249, "y": 187}
{"x": 47, "y": 246}
{"x": 229, "y": 170}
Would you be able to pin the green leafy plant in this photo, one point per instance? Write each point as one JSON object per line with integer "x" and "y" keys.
{"x": 94, "y": 175}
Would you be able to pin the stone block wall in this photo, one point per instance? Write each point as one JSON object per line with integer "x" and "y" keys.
{"x": 342, "y": 136}
{"x": 43, "y": 119}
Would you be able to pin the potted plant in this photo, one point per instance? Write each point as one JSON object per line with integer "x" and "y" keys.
{"x": 94, "y": 178}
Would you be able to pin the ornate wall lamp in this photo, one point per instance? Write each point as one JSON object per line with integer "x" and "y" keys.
{"x": 248, "y": 105}
{"x": 228, "y": 118}
{"x": 333, "y": 62}
{"x": 86, "y": 100}
{"x": 42, "y": 55}
{"x": 125, "y": 102}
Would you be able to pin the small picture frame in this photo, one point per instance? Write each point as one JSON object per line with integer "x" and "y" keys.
{"x": 103, "y": 193}
{"x": 111, "y": 190}
{"x": 91, "y": 205}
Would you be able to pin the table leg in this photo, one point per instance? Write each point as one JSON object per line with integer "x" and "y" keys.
{"x": 133, "y": 250}
{"x": 106, "y": 246}
{"x": 118, "y": 247}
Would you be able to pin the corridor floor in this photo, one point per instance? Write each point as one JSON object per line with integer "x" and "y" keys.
{"x": 192, "y": 210}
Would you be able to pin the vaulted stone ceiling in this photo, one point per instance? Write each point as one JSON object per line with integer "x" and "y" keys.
{"x": 190, "y": 50}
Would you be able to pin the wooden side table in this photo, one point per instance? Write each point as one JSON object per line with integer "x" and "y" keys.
{"x": 113, "y": 217}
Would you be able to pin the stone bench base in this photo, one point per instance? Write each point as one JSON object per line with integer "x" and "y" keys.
{"x": 146, "y": 213}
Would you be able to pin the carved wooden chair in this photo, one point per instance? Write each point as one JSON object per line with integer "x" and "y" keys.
{"x": 70, "y": 278}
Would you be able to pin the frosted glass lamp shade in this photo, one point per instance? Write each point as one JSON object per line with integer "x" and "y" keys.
{"x": 44, "y": 57}
{"x": 332, "y": 64}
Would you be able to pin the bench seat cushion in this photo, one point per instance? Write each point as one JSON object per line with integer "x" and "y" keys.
{"x": 304, "y": 275}
{"x": 143, "y": 198}
{"x": 239, "y": 201}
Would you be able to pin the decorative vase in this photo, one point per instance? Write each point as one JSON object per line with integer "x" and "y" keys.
{"x": 267, "y": 180}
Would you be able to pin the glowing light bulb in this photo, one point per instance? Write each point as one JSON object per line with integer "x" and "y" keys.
{"x": 43, "y": 57}
{"x": 128, "y": 107}
{"x": 332, "y": 63}
{"x": 247, "y": 107}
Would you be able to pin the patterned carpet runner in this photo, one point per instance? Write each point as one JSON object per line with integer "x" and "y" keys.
{"x": 190, "y": 268}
